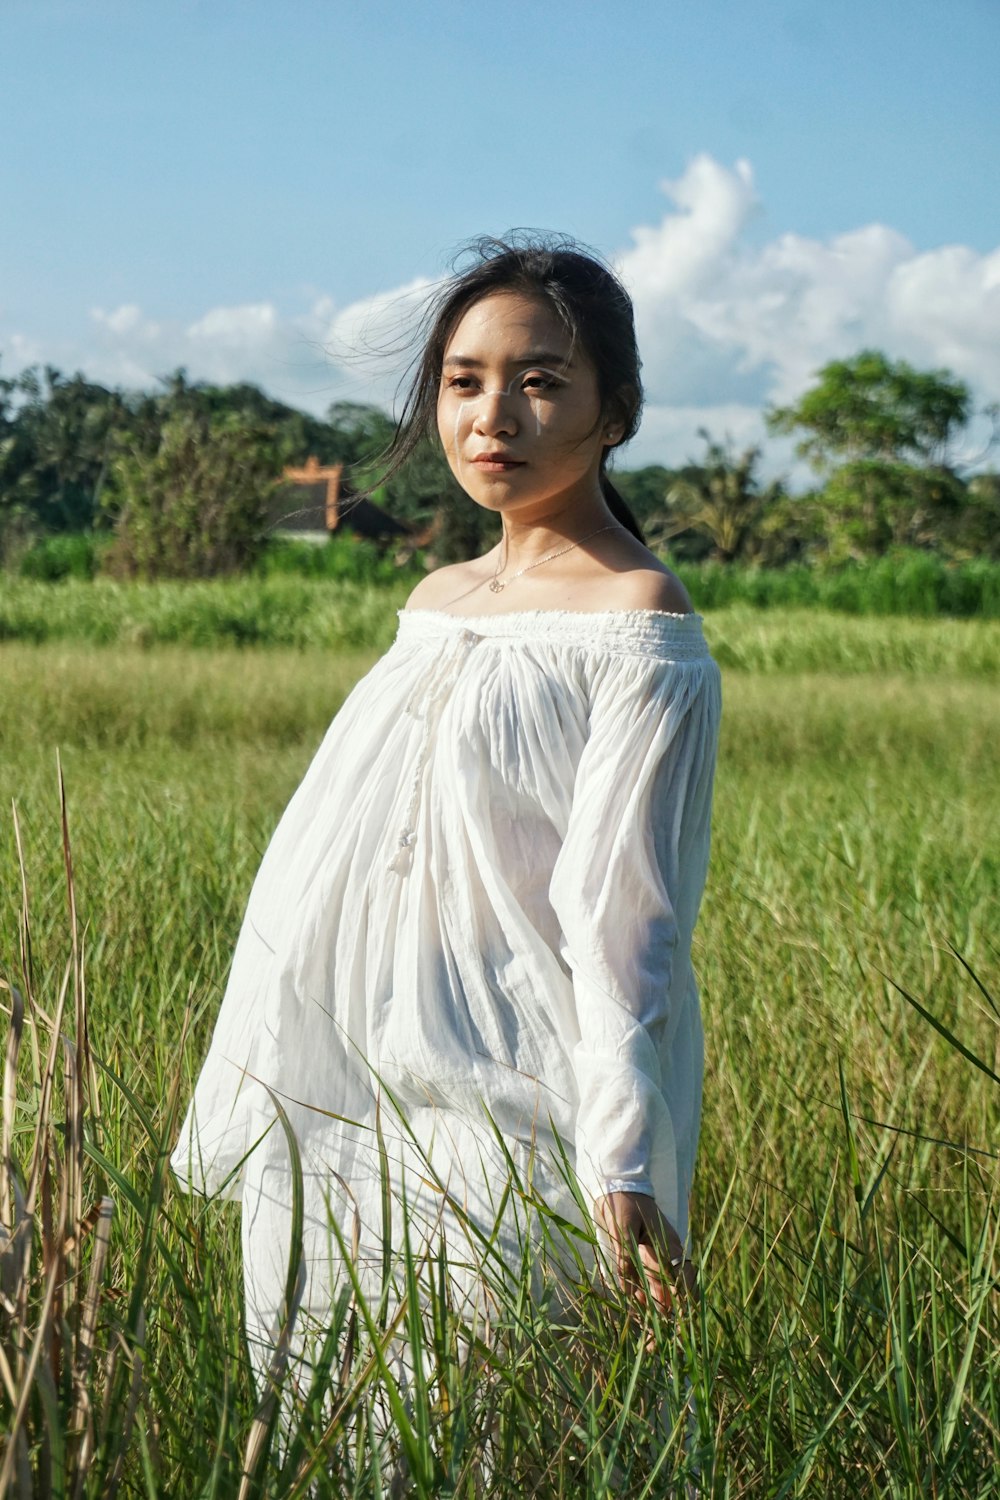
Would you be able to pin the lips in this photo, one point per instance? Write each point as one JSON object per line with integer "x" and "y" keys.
{"x": 497, "y": 463}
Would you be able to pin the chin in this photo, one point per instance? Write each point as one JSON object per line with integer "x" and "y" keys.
{"x": 498, "y": 495}
{"x": 494, "y": 503}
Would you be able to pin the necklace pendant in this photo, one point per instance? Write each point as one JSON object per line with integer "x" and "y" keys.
{"x": 496, "y": 587}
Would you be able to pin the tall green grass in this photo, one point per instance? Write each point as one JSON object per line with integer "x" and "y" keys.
{"x": 903, "y": 583}
{"x": 921, "y": 584}
{"x": 299, "y": 614}
{"x": 278, "y": 611}
{"x": 846, "y": 1340}
{"x": 906, "y": 581}
{"x": 343, "y": 557}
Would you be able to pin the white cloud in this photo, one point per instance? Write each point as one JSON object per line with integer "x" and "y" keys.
{"x": 726, "y": 324}
{"x": 674, "y": 431}
{"x": 376, "y": 326}
{"x": 946, "y": 305}
{"x": 374, "y": 340}
{"x": 125, "y": 321}
{"x": 250, "y": 327}
{"x": 309, "y": 358}
{"x": 253, "y": 341}
{"x": 682, "y": 252}
{"x": 21, "y": 351}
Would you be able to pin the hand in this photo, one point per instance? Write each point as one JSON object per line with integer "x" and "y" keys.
{"x": 645, "y": 1242}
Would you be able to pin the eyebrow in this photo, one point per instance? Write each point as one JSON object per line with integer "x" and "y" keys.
{"x": 539, "y": 357}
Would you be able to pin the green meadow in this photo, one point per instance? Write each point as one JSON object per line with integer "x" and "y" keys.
{"x": 847, "y": 1338}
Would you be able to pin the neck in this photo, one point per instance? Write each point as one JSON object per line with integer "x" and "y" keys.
{"x": 525, "y": 540}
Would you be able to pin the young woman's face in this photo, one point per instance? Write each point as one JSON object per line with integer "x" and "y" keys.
{"x": 519, "y": 412}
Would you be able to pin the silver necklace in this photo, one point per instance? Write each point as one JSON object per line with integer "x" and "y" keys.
{"x": 497, "y": 585}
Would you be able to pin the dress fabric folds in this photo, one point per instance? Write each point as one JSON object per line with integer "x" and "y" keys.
{"x": 476, "y": 908}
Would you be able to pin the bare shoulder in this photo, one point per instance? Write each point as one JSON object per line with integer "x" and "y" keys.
{"x": 639, "y": 580}
{"x": 439, "y": 589}
{"x": 651, "y": 588}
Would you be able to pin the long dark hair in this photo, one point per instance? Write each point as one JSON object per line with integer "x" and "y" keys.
{"x": 586, "y": 296}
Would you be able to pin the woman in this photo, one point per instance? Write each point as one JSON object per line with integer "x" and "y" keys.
{"x": 468, "y": 943}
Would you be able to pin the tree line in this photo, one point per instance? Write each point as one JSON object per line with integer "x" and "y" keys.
{"x": 186, "y": 480}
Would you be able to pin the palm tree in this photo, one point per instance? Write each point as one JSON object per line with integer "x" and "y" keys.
{"x": 721, "y": 498}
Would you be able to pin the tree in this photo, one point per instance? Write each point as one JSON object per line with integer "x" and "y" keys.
{"x": 721, "y": 498}
{"x": 883, "y": 434}
{"x": 423, "y": 494}
{"x": 297, "y": 434}
{"x": 977, "y": 533}
{"x": 873, "y": 504}
{"x": 644, "y": 492}
{"x": 358, "y": 433}
{"x": 870, "y": 407}
{"x": 56, "y": 435}
{"x": 196, "y": 504}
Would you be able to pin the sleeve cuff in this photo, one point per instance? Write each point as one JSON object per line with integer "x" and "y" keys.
{"x": 642, "y": 1186}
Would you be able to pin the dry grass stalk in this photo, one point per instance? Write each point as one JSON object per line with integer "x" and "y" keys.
{"x": 50, "y": 1293}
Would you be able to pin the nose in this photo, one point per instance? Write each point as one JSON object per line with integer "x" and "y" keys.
{"x": 494, "y": 415}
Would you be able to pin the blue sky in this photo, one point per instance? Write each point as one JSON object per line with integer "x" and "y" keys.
{"x": 226, "y": 184}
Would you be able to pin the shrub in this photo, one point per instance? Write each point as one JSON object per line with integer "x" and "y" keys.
{"x": 72, "y": 555}
{"x": 344, "y": 557}
{"x": 195, "y": 504}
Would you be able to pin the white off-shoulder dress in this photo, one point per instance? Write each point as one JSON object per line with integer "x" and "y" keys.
{"x": 472, "y": 926}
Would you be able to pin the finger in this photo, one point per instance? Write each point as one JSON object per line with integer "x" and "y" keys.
{"x": 651, "y": 1275}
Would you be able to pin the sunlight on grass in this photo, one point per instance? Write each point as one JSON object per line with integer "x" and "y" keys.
{"x": 846, "y": 1339}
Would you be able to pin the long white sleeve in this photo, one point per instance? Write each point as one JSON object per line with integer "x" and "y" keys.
{"x": 626, "y": 889}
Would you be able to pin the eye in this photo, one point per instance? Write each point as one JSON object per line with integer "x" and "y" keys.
{"x": 536, "y": 383}
{"x": 461, "y": 384}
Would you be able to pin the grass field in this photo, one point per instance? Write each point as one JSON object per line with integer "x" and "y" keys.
{"x": 904, "y": 582}
{"x": 846, "y": 1343}
{"x": 289, "y": 612}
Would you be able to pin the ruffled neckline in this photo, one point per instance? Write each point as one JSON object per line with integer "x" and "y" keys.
{"x": 643, "y": 632}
